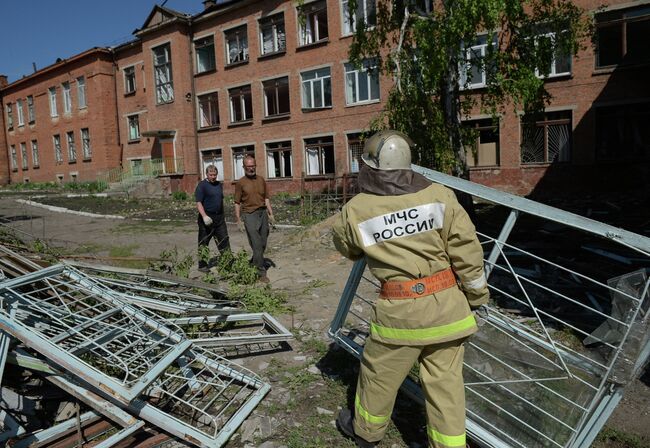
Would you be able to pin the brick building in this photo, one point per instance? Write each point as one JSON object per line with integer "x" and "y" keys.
{"x": 249, "y": 77}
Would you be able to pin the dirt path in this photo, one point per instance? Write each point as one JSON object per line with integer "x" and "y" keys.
{"x": 306, "y": 266}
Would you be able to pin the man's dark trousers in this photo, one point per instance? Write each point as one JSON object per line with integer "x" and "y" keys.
{"x": 217, "y": 230}
{"x": 257, "y": 230}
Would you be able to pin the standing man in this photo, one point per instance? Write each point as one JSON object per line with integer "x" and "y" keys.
{"x": 421, "y": 245}
{"x": 252, "y": 204}
{"x": 211, "y": 220}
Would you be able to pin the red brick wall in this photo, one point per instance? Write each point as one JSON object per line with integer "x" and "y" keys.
{"x": 4, "y": 148}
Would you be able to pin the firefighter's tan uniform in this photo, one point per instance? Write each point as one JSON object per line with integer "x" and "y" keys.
{"x": 406, "y": 237}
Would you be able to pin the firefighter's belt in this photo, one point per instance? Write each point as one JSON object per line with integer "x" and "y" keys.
{"x": 420, "y": 287}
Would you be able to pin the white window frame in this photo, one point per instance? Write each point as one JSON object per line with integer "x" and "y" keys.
{"x": 270, "y": 160}
{"x": 211, "y": 112}
{"x": 52, "y": 96}
{"x": 318, "y": 158}
{"x": 363, "y": 9}
{"x": 479, "y": 50}
{"x": 240, "y": 97}
{"x": 353, "y": 162}
{"x": 236, "y": 40}
{"x": 553, "y": 73}
{"x": 274, "y": 89}
{"x": 240, "y": 152}
{"x": 14, "y": 157}
{"x": 72, "y": 147}
{"x": 35, "y": 158}
{"x": 217, "y": 161}
{"x": 162, "y": 73}
{"x": 126, "y": 73}
{"x": 10, "y": 116}
{"x": 85, "y": 144}
{"x": 23, "y": 155}
{"x": 67, "y": 97}
{"x": 370, "y": 73}
{"x": 81, "y": 92}
{"x": 58, "y": 152}
{"x": 205, "y": 58}
{"x": 19, "y": 110}
{"x": 31, "y": 118}
{"x": 278, "y": 37}
{"x": 130, "y": 120}
{"x": 308, "y": 88}
{"x": 309, "y": 29}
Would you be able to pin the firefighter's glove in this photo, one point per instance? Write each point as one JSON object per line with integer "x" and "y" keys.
{"x": 207, "y": 221}
{"x": 481, "y": 315}
{"x": 240, "y": 226}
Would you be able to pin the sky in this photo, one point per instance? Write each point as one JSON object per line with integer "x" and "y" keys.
{"x": 40, "y": 31}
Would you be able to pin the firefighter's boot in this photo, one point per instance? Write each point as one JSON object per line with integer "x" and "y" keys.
{"x": 344, "y": 423}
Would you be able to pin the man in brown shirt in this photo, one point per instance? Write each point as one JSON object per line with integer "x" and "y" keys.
{"x": 253, "y": 206}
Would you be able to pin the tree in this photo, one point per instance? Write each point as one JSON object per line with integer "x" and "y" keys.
{"x": 433, "y": 48}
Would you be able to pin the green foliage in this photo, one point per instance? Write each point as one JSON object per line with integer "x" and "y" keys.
{"x": 204, "y": 254}
{"x": 90, "y": 187}
{"x": 33, "y": 186}
{"x": 87, "y": 187}
{"x": 236, "y": 268}
{"x": 122, "y": 251}
{"x": 258, "y": 299}
{"x": 610, "y": 435}
{"x": 179, "y": 196}
{"x": 424, "y": 53}
{"x": 174, "y": 262}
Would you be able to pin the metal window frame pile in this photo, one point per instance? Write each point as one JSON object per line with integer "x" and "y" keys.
{"x": 549, "y": 371}
{"x": 114, "y": 357}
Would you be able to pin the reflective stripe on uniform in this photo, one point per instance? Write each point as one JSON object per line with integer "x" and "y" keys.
{"x": 445, "y": 439}
{"x": 423, "y": 333}
{"x": 367, "y": 416}
{"x": 477, "y": 283}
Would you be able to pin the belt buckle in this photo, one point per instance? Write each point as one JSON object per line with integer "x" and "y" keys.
{"x": 418, "y": 288}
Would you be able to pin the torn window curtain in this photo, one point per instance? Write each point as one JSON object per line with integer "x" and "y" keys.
{"x": 273, "y": 37}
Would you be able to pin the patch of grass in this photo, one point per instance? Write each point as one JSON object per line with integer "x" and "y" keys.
{"x": 258, "y": 299}
{"x": 313, "y": 284}
{"x": 174, "y": 262}
{"x": 616, "y": 438}
{"x": 316, "y": 346}
{"x": 148, "y": 227}
{"x": 122, "y": 251}
{"x": 89, "y": 248}
{"x": 236, "y": 268}
{"x": 179, "y": 196}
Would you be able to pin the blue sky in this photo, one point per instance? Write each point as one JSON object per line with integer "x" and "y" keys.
{"x": 40, "y": 31}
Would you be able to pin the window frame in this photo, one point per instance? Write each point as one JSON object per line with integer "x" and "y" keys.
{"x": 619, "y": 18}
{"x": 31, "y": 115}
{"x": 546, "y": 123}
{"x": 72, "y": 147}
{"x": 35, "y": 155}
{"x": 10, "y": 116}
{"x": 239, "y": 153}
{"x": 242, "y": 94}
{"x": 324, "y": 82}
{"x": 278, "y": 38}
{"x": 127, "y": 77}
{"x": 240, "y": 34}
{"x": 86, "y": 149}
{"x": 480, "y": 125}
{"x": 212, "y": 110}
{"x": 130, "y": 119}
{"x": 202, "y": 51}
{"x": 14, "y": 157}
{"x": 354, "y": 138}
{"x": 311, "y": 11}
{"x": 322, "y": 145}
{"x": 217, "y": 161}
{"x": 52, "y": 97}
{"x": 277, "y": 92}
{"x": 270, "y": 148}
{"x": 553, "y": 73}
{"x": 23, "y": 156}
{"x": 19, "y": 112}
{"x": 481, "y": 42}
{"x": 58, "y": 151}
{"x": 81, "y": 93}
{"x": 162, "y": 62}
{"x": 349, "y": 23}
{"x": 67, "y": 97}
{"x": 371, "y": 70}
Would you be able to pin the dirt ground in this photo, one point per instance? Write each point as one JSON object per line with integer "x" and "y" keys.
{"x": 301, "y": 409}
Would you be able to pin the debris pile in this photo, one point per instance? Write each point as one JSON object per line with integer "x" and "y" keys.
{"x": 122, "y": 357}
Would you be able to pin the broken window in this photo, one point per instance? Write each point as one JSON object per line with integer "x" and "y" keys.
{"x": 30, "y": 109}
{"x": 276, "y": 97}
{"x": 278, "y": 159}
{"x": 52, "y": 95}
{"x": 58, "y": 153}
{"x": 236, "y": 45}
{"x": 129, "y": 80}
{"x": 72, "y": 150}
{"x": 208, "y": 110}
{"x": 133, "y": 122}
{"x": 365, "y": 13}
{"x": 622, "y": 132}
{"x": 204, "y": 51}
{"x": 316, "y": 88}
{"x": 19, "y": 109}
{"x": 241, "y": 104}
{"x": 355, "y": 149}
{"x": 546, "y": 140}
{"x": 162, "y": 66}
{"x": 484, "y": 149}
{"x": 213, "y": 157}
{"x": 10, "y": 116}
{"x": 239, "y": 153}
{"x": 319, "y": 156}
{"x": 272, "y": 35}
{"x": 85, "y": 143}
{"x": 313, "y": 26}
{"x": 67, "y": 98}
{"x": 14, "y": 158}
{"x": 35, "y": 161}
{"x": 622, "y": 37}
{"x": 23, "y": 155}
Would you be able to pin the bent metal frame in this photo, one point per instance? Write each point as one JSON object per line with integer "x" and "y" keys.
{"x": 568, "y": 325}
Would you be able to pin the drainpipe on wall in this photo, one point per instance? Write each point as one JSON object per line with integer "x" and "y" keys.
{"x": 193, "y": 92}
{"x": 5, "y": 134}
{"x": 117, "y": 112}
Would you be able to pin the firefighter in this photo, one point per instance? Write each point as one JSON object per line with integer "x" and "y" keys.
{"x": 422, "y": 247}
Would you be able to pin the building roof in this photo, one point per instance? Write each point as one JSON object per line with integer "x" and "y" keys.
{"x": 160, "y": 16}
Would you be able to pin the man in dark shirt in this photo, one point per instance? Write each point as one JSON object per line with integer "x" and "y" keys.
{"x": 252, "y": 204}
{"x": 211, "y": 221}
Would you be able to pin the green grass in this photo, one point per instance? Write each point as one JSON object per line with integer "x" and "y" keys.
{"x": 614, "y": 437}
{"x": 122, "y": 251}
{"x": 151, "y": 227}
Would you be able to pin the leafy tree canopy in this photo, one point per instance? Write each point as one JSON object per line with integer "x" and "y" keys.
{"x": 426, "y": 47}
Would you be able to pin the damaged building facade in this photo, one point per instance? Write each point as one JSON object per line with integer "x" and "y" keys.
{"x": 250, "y": 77}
